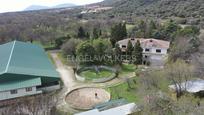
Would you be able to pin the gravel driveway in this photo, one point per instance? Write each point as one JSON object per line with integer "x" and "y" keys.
{"x": 66, "y": 73}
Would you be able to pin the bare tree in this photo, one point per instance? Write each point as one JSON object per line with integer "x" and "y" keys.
{"x": 180, "y": 49}
{"x": 36, "y": 105}
{"x": 178, "y": 73}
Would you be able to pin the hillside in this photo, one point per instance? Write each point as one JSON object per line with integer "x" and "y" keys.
{"x": 42, "y": 24}
{"x": 159, "y": 8}
{"x": 109, "y": 2}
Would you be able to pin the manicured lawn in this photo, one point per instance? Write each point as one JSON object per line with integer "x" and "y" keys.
{"x": 127, "y": 68}
{"x": 91, "y": 74}
{"x": 123, "y": 91}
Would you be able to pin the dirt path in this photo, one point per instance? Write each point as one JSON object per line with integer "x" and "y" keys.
{"x": 66, "y": 73}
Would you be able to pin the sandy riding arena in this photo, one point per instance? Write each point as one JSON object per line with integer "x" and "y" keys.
{"x": 86, "y": 98}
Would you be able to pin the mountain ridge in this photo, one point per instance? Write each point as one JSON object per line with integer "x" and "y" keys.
{"x": 39, "y": 7}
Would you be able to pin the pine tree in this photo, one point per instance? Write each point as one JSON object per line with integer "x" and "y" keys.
{"x": 81, "y": 32}
{"x": 87, "y": 35}
{"x": 117, "y": 55}
{"x": 118, "y": 32}
{"x": 114, "y": 35}
{"x": 95, "y": 33}
{"x": 100, "y": 32}
{"x": 129, "y": 48}
{"x": 142, "y": 27}
{"x": 137, "y": 53}
{"x": 151, "y": 28}
{"x": 124, "y": 30}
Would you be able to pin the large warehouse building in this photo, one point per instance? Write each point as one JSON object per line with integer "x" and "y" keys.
{"x": 25, "y": 70}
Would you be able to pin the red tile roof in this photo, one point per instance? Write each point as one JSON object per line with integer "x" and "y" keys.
{"x": 147, "y": 42}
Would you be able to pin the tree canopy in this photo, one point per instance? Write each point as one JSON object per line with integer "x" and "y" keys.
{"x": 137, "y": 52}
{"x": 118, "y": 32}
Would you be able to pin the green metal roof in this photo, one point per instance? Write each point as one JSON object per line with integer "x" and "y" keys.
{"x": 25, "y": 59}
{"x": 5, "y": 51}
{"x": 20, "y": 84}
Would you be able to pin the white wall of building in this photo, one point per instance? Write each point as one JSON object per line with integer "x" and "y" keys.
{"x": 20, "y": 93}
{"x": 153, "y": 50}
{"x": 50, "y": 88}
{"x": 155, "y": 58}
{"x": 154, "y": 55}
{"x": 4, "y": 95}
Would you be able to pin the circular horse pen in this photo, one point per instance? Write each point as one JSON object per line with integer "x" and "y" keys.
{"x": 87, "y": 98}
{"x": 96, "y": 74}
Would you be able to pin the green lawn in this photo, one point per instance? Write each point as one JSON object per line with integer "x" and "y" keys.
{"x": 130, "y": 26}
{"x": 127, "y": 68}
{"x": 91, "y": 74}
{"x": 123, "y": 91}
{"x": 48, "y": 45}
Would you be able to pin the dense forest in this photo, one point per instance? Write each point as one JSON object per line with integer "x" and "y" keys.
{"x": 48, "y": 25}
{"x": 159, "y": 8}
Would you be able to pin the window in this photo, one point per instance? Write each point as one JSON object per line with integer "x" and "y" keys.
{"x": 28, "y": 89}
{"x": 158, "y": 50}
{"x": 123, "y": 46}
{"x": 147, "y": 50}
{"x": 13, "y": 91}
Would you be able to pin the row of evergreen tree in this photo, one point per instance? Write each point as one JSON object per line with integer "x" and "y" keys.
{"x": 83, "y": 34}
{"x": 118, "y": 32}
{"x": 134, "y": 53}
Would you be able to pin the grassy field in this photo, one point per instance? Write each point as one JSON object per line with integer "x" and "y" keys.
{"x": 91, "y": 74}
{"x": 129, "y": 26}
{"x": 127, "y": 69}
{"x": 125, "y": 91}
{"x": 46, "y": 46}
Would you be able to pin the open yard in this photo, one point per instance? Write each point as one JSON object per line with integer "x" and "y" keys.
{"x": 125, "y": 90}
{"x": 130, "y": 26}
{"x": 127, "y": 69}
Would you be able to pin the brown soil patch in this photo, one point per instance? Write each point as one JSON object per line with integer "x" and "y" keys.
{"x": 86, "y": 98}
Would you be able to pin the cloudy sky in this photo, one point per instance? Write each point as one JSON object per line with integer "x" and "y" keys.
{"x": 18, "y": 5}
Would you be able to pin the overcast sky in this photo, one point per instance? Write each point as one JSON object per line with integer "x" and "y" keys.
{"x": 18, "y": 5}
